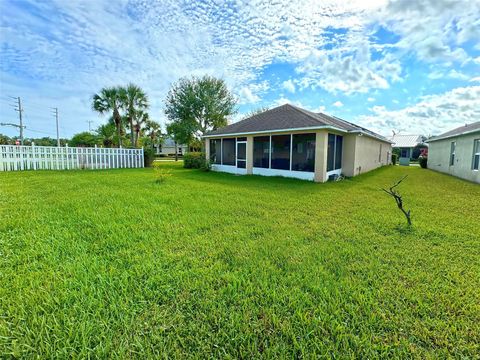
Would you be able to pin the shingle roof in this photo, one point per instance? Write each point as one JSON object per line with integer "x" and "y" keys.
{"x": 467, "y": 128}
{"x": 406, "y": 140}
{"x": 288, "y": 117}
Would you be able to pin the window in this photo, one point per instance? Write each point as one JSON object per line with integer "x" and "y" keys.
{"x": 216, "y": 151}
{"x": 476, "y": 154}
{"x": 452, "y": 153}
{"x": 334, "y": 152}
{"x": 404, "y": 153}
{"x": 380, "y": 154}
{"x": 228, "y": 148}
{"x": 261, "y": 151}
{"x": 281, "y": 152}
{"x": 303, "y": 152}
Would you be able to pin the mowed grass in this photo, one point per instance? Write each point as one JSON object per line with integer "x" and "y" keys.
{"x": 110, "y": 264}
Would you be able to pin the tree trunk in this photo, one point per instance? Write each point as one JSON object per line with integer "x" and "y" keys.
{"x": 132, "y": 140}
{"x": 137, "y": 131}
{"x": 118, "y": 124}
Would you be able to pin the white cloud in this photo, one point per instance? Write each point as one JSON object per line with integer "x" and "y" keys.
{"x": 371, "y": 99}
{"x": 62, "y": 63}
{"x": 289, "y": 85}
{"x": 247, "y": 97}
{"x": 475, "y": 79}
{"x": 433, "y": 114}
{"x": 337, "y": 104}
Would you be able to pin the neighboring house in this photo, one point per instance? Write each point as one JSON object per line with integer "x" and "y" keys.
{"x": 457, "y": 152}
{"x": 406, "y": 144}
{"x": 167, "y": 148}
{"x": 293, "y": 142}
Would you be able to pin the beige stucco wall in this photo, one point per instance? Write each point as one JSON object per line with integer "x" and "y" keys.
{"x": 360, "y": 153}
{"x": 439, "y": 157}
{"x": 321, "y": 146}
{"x": 367, "y": 151}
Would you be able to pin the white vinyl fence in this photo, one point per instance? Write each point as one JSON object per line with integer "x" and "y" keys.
{"x": 15, "y": 157}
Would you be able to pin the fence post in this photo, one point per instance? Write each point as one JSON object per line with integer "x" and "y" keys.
{"x": 34, "y": 157}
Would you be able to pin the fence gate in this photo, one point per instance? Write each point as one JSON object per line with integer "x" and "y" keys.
{"x": 15, "y": 157}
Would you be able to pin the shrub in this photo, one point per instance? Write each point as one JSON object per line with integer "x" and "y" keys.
{"x": 148, "y": 157}
{"x": 394, "y": 159}
{"x": 161, "y": 174}
{"x": 423, "y": 161}
{"x": 196, "y": 160}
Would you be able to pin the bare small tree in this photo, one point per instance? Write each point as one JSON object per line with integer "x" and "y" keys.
{"x": 398, "y": 199}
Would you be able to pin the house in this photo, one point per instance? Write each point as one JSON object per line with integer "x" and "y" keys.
{"x": 293, "y": 142}
{"x": 167, "y": 148}
{"x": 406, "y": 145}
{"x": 457, "y": 152}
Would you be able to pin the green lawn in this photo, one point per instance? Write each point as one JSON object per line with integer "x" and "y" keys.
{"x": 112, "y": 264}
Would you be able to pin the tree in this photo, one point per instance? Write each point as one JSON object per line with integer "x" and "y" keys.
{"x": 141, "y": 118}
{"x": 197, "y": 105}
{"x": 106, "y": 133}
{"x": 135, "y": 103}
{"x": 111, "y": 100}
{"x": 5, "y": 140}
{"x": 255, "y": 112}
{"x": 85, "y": 138}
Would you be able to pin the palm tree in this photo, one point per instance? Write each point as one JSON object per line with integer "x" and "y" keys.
{"x": 110, "y": 99}
{"x": 141, "y": 117}
{"x": 135, "y": 101}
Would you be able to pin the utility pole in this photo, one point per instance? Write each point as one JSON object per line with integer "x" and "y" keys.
{"x": 20, "y": 110}
{"x": 56, "y": 120}
{"x": 89, "y": 125}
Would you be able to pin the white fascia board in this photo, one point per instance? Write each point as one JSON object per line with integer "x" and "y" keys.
{"x": 276, "y": 131}
{"x": 370, "y": 135}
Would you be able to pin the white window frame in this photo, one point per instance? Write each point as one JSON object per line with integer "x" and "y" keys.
{"x": 236, "y": 152}
{"x": 476, "y": 144}
{"x": 453, "y": 148}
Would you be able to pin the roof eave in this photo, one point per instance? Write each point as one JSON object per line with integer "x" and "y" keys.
{"x": 437, "y": 138}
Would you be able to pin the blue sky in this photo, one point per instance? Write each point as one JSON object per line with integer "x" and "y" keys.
{"x": 408, "y": 66}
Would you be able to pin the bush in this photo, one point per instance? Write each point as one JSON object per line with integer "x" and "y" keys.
{"x": 423, "y": 161}
{"x": 148, "y": 156}
{"x": 161, "y": 174}
{"x": 394, "y": 159}
{"x": 196, "y": 160}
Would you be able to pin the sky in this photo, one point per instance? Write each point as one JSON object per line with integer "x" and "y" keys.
{"x": 409, "y": 66}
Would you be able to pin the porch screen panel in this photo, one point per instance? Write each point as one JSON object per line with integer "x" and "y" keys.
{"x": 303, "y": 152}
{"x": 261, "y": 151}
{"x": 334, "y": 152}
{"x": 331, "y": 152}
{"x": 338, "y": 152}
{"x": 281, "y": 152}
{"x": 216, "y": 151}
{"x": 229, "y": 151}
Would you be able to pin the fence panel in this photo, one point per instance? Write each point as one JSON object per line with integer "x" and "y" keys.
{"x": 18, "y": 157}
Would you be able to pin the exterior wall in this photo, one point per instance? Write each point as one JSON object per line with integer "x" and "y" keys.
{"x": 367, "y": 152}
{"x": 349, "y": 152}
{"x": 439, "y": 157}
{"x": 321, "y": 145}
{"x": 170, "y": 150}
